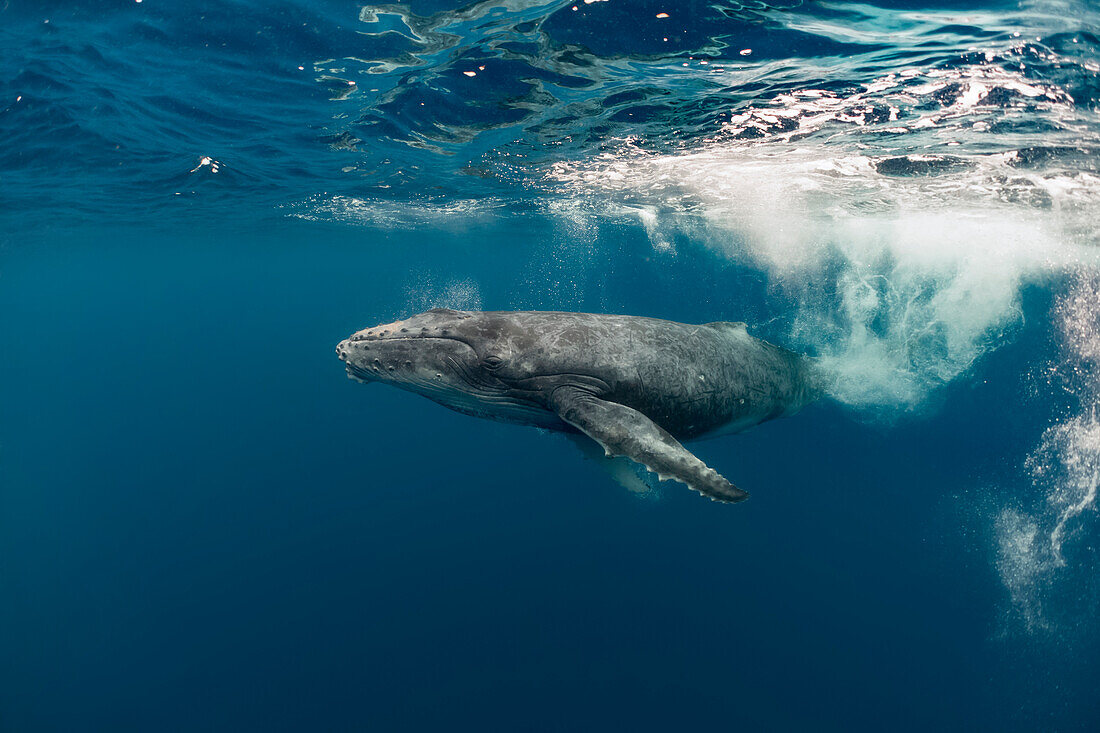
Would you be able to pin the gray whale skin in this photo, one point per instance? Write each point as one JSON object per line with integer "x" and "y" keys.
{"x": 636, "y": 386}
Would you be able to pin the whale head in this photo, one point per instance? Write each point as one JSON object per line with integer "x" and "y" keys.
{"x": 460, "y": 359}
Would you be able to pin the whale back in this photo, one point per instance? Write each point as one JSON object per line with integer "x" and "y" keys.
{"x": 693, "y": 379}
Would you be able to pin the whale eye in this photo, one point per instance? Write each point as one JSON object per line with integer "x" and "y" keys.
{"x": 493, "y": 362}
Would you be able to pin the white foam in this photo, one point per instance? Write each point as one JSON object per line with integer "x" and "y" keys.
{"x": 902, "y": 283}
{"x": 398, "y": 214}
{"x": 902, "y": 276}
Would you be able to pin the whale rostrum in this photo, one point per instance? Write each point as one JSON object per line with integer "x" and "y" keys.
{"x": 636, "y": 386}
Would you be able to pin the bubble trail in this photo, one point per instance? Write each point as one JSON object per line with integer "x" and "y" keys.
{"x": 1065, "y": 470}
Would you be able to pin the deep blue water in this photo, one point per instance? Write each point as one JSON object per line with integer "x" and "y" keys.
{"x": 205, "y": 526}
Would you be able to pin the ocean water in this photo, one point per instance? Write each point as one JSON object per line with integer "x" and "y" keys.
{"x": 204, "y": 525}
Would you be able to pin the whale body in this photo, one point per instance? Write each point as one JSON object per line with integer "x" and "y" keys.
{"x": 636, "y": 386}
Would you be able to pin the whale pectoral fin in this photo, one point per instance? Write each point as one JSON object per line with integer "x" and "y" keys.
{"x": 623, "y": 431}
{"x": 624, "y": 471}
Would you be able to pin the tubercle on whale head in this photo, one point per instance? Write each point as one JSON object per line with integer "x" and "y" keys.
{"x": 432, "y": 323}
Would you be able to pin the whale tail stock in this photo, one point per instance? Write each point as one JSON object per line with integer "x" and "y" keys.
{"x": 816, "y": 381}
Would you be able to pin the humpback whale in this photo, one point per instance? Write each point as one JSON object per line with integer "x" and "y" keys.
{"x": 636, "y": 386}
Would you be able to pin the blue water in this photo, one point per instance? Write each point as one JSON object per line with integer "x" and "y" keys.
{"x": 205, "y": 526}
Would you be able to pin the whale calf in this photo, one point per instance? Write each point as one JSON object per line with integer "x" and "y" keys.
{"x": 636, "y": 386}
